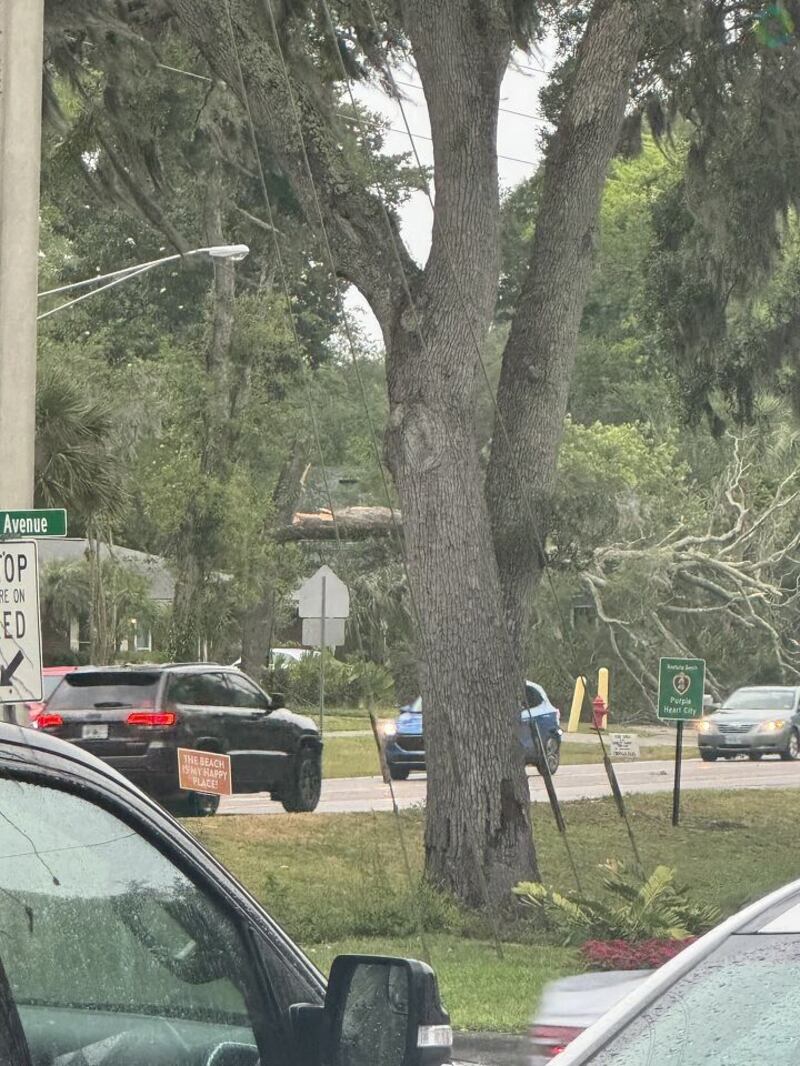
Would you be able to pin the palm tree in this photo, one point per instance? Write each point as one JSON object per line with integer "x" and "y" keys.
{"x": 76, "y": 465}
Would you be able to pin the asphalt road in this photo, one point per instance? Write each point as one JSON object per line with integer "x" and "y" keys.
{"x": 585, "y": 781}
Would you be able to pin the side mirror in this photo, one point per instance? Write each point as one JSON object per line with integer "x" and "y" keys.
{"x": 277, "y": 700}
{"x": 384, "y": 1012}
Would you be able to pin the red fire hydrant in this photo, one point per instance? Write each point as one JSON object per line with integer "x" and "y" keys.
{"x": 599, "y": 712}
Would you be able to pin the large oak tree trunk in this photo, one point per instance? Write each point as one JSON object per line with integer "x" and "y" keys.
{"x": 477, "y": 803}
{"x": 540, "y": 353}
{"x": 478, "y": 826}
{"x": 477, "y": 794}
{"x": 477, "y": 835}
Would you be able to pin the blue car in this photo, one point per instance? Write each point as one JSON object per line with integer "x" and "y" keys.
{"x": 404, "y": 740}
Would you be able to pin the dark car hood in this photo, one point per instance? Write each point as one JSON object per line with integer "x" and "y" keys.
{"x": 283, "y": 714}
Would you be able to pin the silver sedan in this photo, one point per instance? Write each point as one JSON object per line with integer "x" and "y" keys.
{"x": 755, "y": 721}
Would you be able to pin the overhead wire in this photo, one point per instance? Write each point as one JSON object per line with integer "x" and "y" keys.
{"x": 504, "y": 110}
{"x": 315, "y": 425}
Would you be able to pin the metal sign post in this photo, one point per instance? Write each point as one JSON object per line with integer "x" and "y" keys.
{"x": 676, "y": 787}
{"x": 681, "y": 686}
{"x": 322, "y": 651}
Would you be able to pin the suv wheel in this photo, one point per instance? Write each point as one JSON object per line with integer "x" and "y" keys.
{"x": 302, "y": 793}
{"x": 398, "y": 773}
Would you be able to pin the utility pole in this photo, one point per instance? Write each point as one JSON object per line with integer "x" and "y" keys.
{"x": 21, "y": 52}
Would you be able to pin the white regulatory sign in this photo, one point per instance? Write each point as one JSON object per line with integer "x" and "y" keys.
{"x": 20, "y": 635}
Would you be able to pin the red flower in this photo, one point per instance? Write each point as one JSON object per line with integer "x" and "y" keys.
{"x": 627, "y": 955}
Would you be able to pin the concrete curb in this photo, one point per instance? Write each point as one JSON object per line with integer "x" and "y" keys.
{"x": 490, "y": 1049}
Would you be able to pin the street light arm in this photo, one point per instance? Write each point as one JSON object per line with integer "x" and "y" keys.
{"x": 124, "y": 272}
{"x": 92, "y": 292}
{"x": 234, "y": 252}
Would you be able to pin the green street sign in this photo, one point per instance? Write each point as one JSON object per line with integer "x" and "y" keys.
{"x": 681, "y": 686}
{"x": 47, "y": 522}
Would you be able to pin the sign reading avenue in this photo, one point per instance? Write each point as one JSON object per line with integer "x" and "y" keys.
{"x": 681, "y": 684}
{"x": 49, "y": 522}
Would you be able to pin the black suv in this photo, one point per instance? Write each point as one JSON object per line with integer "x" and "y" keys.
{"x": 135, "y": 719}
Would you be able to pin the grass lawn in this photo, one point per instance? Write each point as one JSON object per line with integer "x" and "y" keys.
{"x": 337, "y": 881}
{"x": 357, "y": 757}
{"x": 481, "y": 991}
{"x": 350, "y": 757}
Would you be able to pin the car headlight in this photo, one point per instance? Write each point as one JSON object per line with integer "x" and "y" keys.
{"x": 772, "y": 727}
{"x": 389, "y": 729}
{"x": 704, "y": 726}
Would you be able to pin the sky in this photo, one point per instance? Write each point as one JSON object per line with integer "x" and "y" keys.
{"x": 518, "y": 138}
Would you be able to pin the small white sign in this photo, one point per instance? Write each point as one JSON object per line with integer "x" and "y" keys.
{"x": 20, "y": 635}
{"x": 334, "y": 632}
{"x": 624, "y": 746}
{"x": 337, "y": 596}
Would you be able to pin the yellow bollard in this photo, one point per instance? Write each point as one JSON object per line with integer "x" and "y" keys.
{"x": 577, "y": 704}
{"x": 602, "y": 690}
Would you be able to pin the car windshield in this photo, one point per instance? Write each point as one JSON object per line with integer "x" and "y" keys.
{"x": 760, "y": 699}
{"x": 105, "y": 689}
{"x": 731, "y": 1010}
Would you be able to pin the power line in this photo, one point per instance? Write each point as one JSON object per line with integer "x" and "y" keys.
{"x": 505, "y": 110}
{"x": 508, "y": 158}
{"x": 425, "y": 137}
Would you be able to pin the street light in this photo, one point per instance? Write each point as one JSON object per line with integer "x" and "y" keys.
{"x": 234, "y": 252}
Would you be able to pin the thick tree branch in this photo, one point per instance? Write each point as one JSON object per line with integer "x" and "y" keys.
{"x": 319, "y": 161}
{"x": 351, "y": 523}
{"x": 539, "y": 355}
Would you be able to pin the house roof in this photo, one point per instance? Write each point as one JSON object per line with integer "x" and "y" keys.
{"x": 153, "y": 567}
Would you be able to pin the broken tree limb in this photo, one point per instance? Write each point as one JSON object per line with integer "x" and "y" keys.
{"x": 352, "y": 523}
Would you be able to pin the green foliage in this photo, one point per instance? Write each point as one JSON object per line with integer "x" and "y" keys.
{"x": 67, "y": 593}
{"x": 637, "y": 907}
{"x": 76, "y": 467}
{"x": 355, "y": 683}
{"x": 617, "y": 481}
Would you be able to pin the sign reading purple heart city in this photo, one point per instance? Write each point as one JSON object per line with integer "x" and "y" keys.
{"x": 681, "y": 686}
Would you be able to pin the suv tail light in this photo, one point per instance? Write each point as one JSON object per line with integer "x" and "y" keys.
{"x": 49, "y": 721}
{"x": 153, "y": 719}
{"x": 551, "y": 1040}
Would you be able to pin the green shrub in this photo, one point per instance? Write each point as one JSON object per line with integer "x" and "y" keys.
{"x": 637, "y": 908}
{"x": 370, "y": 684}
{"x": 355, "y": 683}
